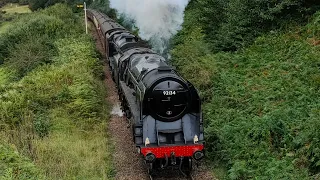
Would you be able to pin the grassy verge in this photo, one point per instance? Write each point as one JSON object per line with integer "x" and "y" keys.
{"x": 4, "y": 27}
{"x": 10, "y": 12}
{"x": 12, "y": 8}
{"x": 5, "y": 76}
{"x": 262, "y": 104}
{"x": 52, "y": 106}
{"x": 72, "y": 153}
{"x": 15, "y": 166}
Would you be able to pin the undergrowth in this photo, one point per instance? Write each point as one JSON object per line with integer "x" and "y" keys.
{"x": 261, "y": 104}
{"x": 15, "y": 166}
{"x": 52, "y": 103}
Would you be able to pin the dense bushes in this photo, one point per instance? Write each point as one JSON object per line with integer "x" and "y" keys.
{"x": 41, "y": 4}
{"x": 1, "y": 17}
{"x": 52, "y": 97}
{"x": 4, "y": 2}
{"x": 26, "y": 56}
{"x": 14, "y": 166}
{"x": 44, "y": 26}
{"x": 28, "y": 44}
{"x": 104, "y": 6}
{"x": 232, "y": 24}
{"x": 261, "y": 104}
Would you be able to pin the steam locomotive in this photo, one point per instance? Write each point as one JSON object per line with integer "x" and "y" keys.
{"x": 163, "y": 109}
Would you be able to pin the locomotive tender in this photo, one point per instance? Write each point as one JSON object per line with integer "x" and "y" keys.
{"x": 163, "y": 109}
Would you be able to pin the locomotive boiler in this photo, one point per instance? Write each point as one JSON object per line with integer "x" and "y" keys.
{"x": 163, "y": 109}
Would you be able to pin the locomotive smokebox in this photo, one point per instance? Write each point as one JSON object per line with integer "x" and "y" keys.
{"x": 168, "y": 99}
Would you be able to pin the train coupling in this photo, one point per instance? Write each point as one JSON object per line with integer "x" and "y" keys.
{"x": 173, "y": 159}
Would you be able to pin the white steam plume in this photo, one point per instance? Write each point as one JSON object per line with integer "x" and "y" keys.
{"x": 157, "y": 20}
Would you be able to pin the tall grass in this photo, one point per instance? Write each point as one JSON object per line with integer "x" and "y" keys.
{"x": 52, "y": 106}
{"x": 15, "y": 166}
{"x": 3, "y": 26}
{"x": 73, "y": 153}
{"x": 261, "y": 104}
{"x": 5, "y": 75}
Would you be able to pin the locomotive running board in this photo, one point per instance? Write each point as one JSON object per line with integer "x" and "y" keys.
{"x": 131, "y": 100}
{"x": 135, "y": 111}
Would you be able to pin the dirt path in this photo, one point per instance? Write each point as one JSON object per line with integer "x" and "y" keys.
{"x": 128, "y": 163}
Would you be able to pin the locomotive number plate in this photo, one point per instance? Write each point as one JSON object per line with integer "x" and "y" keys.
{"x": 169, "y": 93}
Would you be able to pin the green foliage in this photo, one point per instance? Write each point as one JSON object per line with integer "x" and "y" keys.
{"x": 37, "y": 27}
{"x": 53, "y": 97}
{"x": 104, "y": 6}
{"x": 37, "y": 4}
{"x": 23, "y": 2}
{"x": 41, "y": 124}
{"x": 232, "y": 24}
{"x": 25, "y": 56}
{"x": 15, "y": 166}
{"x": 262, "y": 104}
{"x": 13, "y": 9}
{"x": 4, "y": 2}
{"x": 64, "y": 13}
{"x": 189, "y": 57}
{"x": 5, "y": 75}
{"x": 42, "y": 4}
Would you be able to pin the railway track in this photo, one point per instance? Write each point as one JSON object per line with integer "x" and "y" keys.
{"x": 172, "y": 174}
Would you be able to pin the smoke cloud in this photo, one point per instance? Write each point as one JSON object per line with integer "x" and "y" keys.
{"x": 157, "y": 20}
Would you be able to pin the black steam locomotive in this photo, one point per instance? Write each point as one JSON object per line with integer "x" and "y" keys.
{"x": 163, "y": 109}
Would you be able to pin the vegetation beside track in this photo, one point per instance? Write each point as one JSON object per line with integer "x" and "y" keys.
{"x": 12, "y": 8}
{"x": 53, "y": 113}
{"x": 10, "y": 12}
{"x": 261, "y": 103}
{"x": 256, "y": 67}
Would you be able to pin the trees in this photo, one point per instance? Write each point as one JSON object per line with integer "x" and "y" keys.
{"x": 40, "y": 4}
{"x": 36, "y": 4}
{"x": 258, "y": 102}
{"x": 21, "y": 2}
{"x": 232, "y": 24}
{"x": 104, "y": 6}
